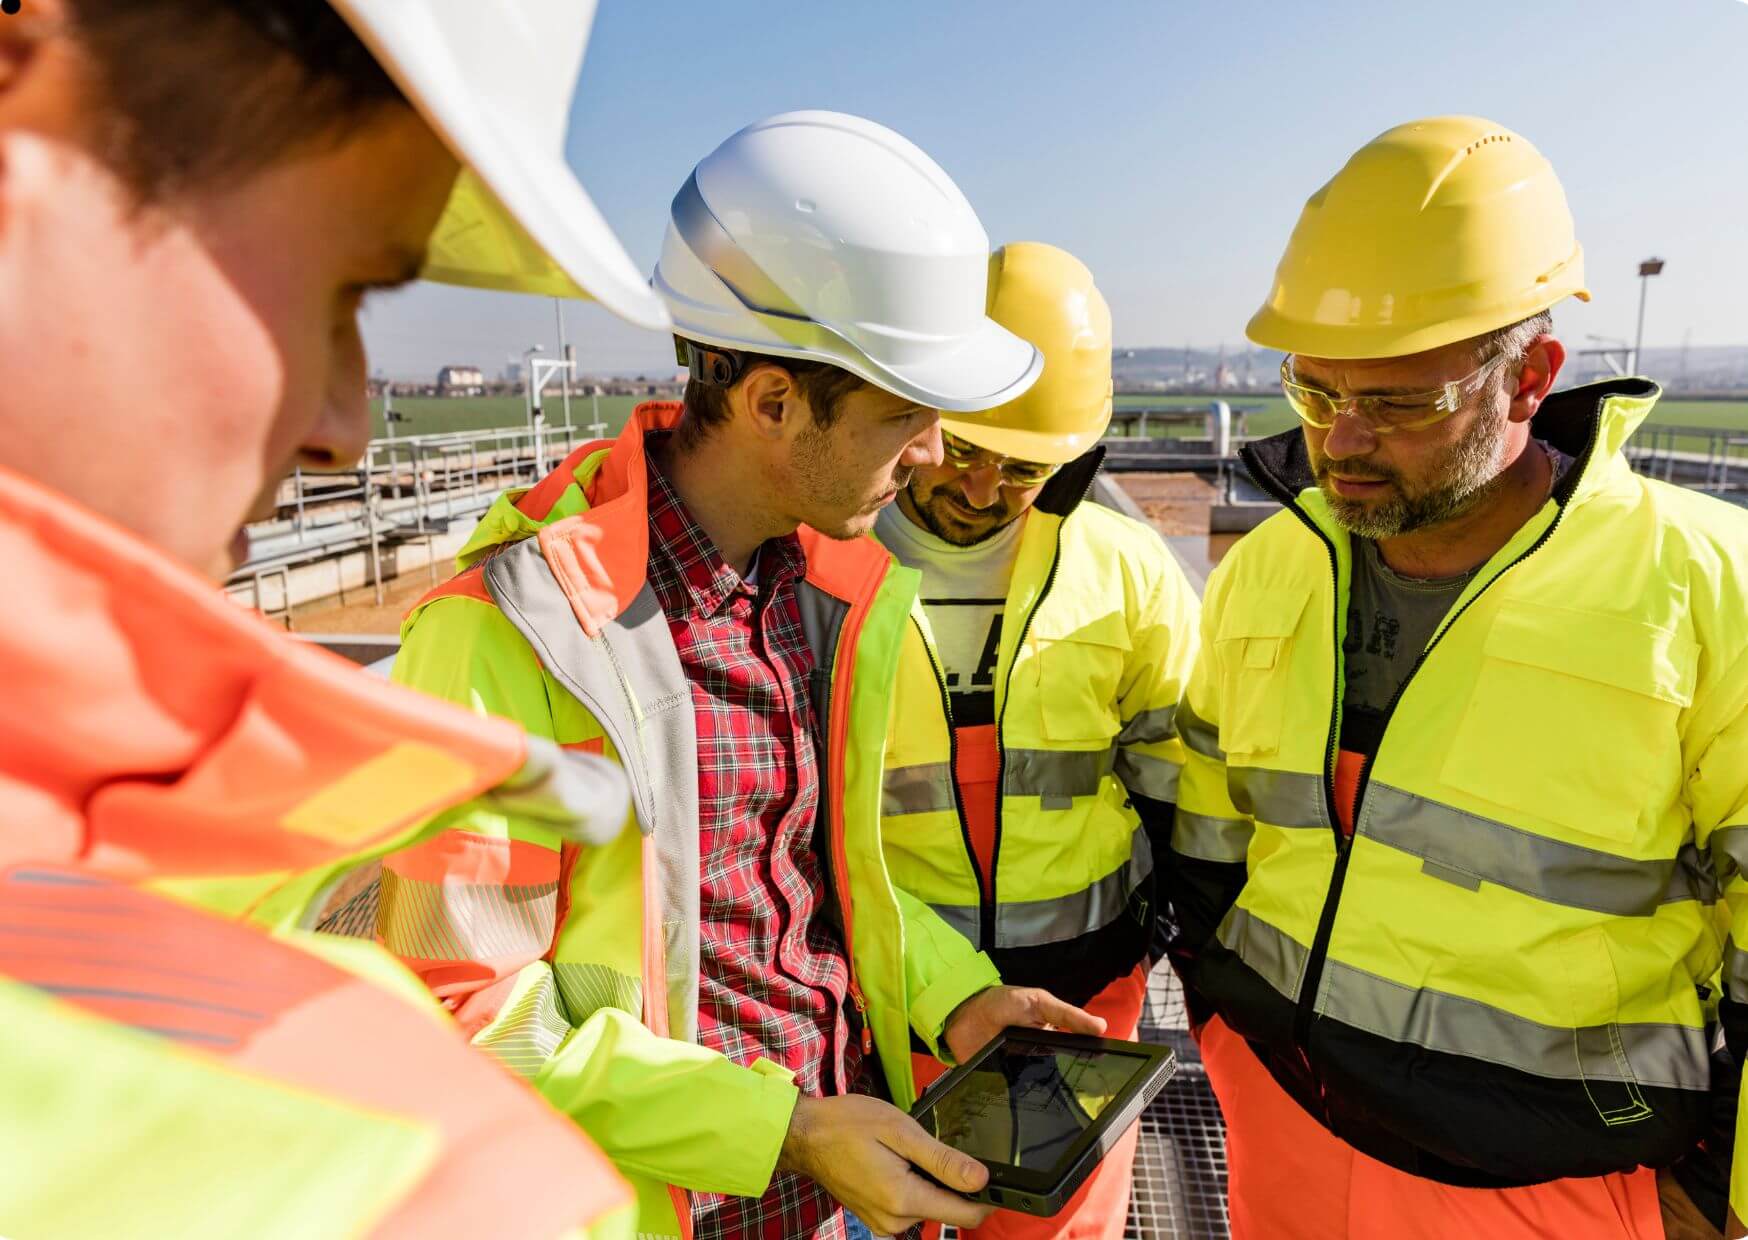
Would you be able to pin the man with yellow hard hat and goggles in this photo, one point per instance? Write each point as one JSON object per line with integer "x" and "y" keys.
{"x": 1032, "y": 752}
{"x": 1464, "y": 811}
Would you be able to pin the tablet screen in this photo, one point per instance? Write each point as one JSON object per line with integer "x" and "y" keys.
{"x": 1027, "y": 1104}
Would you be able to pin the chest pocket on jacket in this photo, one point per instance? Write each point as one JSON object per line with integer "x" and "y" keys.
{"x": 1574, "y": 718}
{"x": 1079, "y": 676}
{"x": 1254, "y": 646}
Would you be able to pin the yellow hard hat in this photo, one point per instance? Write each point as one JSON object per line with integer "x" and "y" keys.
{"x": 1435, "y": 231}
{"x": 1046, "y": 296}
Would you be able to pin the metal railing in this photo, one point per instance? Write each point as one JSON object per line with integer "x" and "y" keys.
{"x": 1703, "y": 458}
{"x": 407, "y": 489}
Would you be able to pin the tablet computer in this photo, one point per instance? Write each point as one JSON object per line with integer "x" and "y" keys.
{"x": 1039, "y": 1109}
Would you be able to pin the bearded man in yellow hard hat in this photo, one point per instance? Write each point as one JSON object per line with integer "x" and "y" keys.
{"x": 1032, "y": 760}
{"x": 1468, "y": 768}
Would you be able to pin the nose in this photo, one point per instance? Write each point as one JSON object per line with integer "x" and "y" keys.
{"x": 924, "y": 451}
{"x": 982, "y": 486}
{"x": 341, "y": 433}
{"x": 1348, "y": 438}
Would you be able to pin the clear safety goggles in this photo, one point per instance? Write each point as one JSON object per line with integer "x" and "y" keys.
{"x": 1014, "y": 472}
{"x": 1385, "y": 414}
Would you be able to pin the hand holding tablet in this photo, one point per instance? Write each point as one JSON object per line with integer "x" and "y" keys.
{"x": 1040, "y": 1108}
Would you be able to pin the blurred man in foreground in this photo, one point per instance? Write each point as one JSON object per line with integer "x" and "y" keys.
{"x": 195, "y": 196}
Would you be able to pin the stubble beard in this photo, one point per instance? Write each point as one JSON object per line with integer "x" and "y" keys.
{"x": 1469, "y": 474}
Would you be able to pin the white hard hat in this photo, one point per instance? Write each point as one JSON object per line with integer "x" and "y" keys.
{"x": 494, "y": 80}
{"x": 827, "y": 237}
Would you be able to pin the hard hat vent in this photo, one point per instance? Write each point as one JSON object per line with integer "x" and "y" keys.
{"x": 1490, "y": 138}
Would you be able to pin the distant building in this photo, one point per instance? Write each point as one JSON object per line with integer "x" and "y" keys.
{"x": 460, "y": 381}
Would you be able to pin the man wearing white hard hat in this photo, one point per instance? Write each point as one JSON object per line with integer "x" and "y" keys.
{"x": 725, "y": 997}
{"x": 194, "y": 197}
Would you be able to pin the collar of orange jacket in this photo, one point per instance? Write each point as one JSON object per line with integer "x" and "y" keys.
{"x": 601, "y": 556}
{"x": 151, "y": 728}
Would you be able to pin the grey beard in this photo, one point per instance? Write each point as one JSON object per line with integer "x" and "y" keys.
{"x": 1469, "y": 475}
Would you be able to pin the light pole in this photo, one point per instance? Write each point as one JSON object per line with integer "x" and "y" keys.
{"x": 1650, "y": 267}
{"x": 564, "y": 351}
{"x": 532, "y": 388}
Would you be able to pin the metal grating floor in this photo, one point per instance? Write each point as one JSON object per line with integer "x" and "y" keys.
{"x": 1180, "y": 1165}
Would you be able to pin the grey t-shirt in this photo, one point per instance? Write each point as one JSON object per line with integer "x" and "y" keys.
{"x": 1389, "y": 621}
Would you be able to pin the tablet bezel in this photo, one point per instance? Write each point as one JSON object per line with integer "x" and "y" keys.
{"x": 1158, "y": 1062}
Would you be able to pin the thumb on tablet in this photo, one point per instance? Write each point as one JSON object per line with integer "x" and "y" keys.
{"x": 957, "y": 1171}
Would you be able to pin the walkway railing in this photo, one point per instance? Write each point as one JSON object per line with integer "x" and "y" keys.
{"x": 407, "y": 489}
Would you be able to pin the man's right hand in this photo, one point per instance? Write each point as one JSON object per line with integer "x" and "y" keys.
{"x": 863, "y": 1152}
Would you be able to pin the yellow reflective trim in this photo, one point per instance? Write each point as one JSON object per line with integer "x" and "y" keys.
{"x": 403, "y": 781}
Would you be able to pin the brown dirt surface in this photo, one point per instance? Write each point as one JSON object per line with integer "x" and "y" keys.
{"x": 359, "y": 613}
{"x": 1176, "y": 504}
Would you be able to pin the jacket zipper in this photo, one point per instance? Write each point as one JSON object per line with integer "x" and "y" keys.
{"x": 1001, "y": 751}
{"x": 1305, "y": 1013}
{"x": 985, "y": 908}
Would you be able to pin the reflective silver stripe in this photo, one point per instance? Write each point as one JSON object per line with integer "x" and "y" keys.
{"x": 1055, "y": 776}
{"x": 1730, "y": 845}
{"x": 1667, "y": 1056}
{"x": 1736, "y": 972}
{"x": 1279, "y": 798}
{"x": 1029, "y": 923}
{"x": 1447, "y": 838}
{"x": 527, "y": 1033}
{"x": 962, "y": 917}
{"x": 1054, "y": 772}
{"x": 1198, "y": 733}
{"x": 1208, "y": 838}
{"x": 1150, "y": 727}
{"x": 1147, "y": 776}
{"x": 1275, "y": 956}
{"x": 1693, "y": 878}
{"x": 920, "y": 789}
{"x": 465, "y": 921}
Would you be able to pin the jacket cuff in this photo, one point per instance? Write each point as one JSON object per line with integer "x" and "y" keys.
{"x": 761, "y": 1123}
{"x": 929, "y": 1011}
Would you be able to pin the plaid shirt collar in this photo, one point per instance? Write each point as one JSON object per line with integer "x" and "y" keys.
{"x": 691, "y": 558}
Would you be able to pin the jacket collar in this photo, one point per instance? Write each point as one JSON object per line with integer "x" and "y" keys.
{"x": 601, "y": 556}
{"x": 1589, "y": 423}
{"x": 151, "y": 728}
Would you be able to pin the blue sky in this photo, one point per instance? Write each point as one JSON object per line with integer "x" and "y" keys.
{"x": 1169, "y": 144}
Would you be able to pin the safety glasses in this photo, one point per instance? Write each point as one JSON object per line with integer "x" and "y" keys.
{"x": 1014, "y": 473}
{"x": 1385, "y": 415}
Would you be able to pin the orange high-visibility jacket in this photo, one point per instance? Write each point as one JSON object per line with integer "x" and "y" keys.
{"x": 174, "y": 1072}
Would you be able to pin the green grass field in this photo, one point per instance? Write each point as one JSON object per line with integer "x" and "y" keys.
{"x": 436, "y": 415}
{"x": 429, "y": 415}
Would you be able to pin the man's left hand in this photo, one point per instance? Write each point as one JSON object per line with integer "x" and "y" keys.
{"x": 986, "y": 1013}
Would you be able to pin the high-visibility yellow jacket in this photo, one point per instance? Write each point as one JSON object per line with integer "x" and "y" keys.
{"x": 1504, "y": 977}
{"x": 1098, "y": 634}
{"x": 579, "y": 966}
{"x": 172, "y": 1073}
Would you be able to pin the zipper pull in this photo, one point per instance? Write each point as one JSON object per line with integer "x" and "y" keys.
{"x": 862, "y": 1011}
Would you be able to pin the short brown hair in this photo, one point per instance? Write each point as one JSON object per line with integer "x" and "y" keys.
{"x": 203, "y": 93}
{"x": 825, "y": 386}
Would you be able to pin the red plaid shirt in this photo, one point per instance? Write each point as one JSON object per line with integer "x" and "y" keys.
{"x": 773, "y": 970}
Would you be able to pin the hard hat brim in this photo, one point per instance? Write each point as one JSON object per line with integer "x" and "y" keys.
{"x": 1356, "y": 342}
{"x": 990, "y": 368}
{"x": 518, "y": 218}
{"x": 1023, "y": 445}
